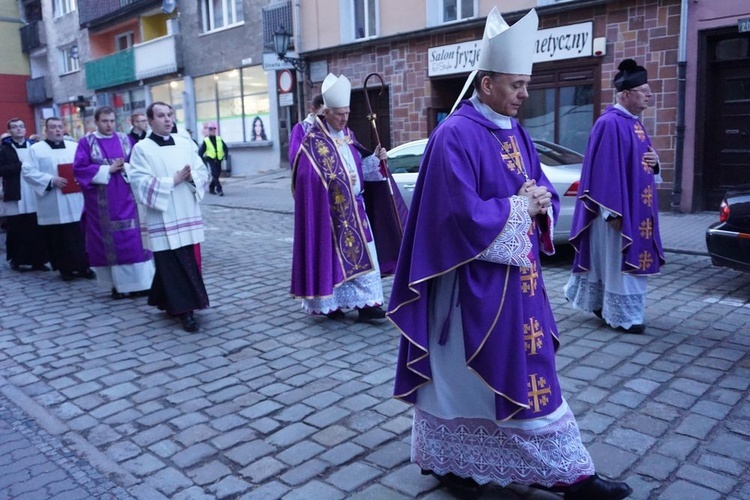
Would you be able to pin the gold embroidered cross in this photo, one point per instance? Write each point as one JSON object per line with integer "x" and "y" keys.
{"x": 645, "y": 260}
{"x": 512, "y": 155}
{"x": 529, "y": 277}
{"x": 646, "y": 228}
{"x": 538, "y": 392}
{"x": 639, "y": 132}
{"x": 532, "y": 336}
{"x": 646, "y": 166}
{"x": 647, "y": 196}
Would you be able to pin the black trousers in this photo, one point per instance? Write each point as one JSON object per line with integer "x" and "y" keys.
{"x": 24, "y": 243}
{"x": 215, "y": 166}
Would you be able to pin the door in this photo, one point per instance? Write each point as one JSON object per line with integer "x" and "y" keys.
{"x": 726, "y": 162}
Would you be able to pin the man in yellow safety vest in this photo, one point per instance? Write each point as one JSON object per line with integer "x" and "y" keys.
{"x": 213, "y": 151}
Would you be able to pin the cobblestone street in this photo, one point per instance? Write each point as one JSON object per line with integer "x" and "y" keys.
{"x": 112, "y": 399}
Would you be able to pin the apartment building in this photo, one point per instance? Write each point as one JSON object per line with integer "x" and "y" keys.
{"x": 425, "y": 49}
{"x": 205, "y": 58}
{"x": 14, "y": 67}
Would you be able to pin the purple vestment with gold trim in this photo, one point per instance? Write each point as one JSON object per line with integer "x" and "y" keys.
{"x": 616, "y": 178}
{"x": 462, "y": 202}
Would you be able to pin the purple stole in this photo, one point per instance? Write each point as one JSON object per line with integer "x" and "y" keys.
{"x": 346, "y": 210}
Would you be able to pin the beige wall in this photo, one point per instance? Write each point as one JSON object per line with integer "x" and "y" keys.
{"x": 320, "y": 24}
{"x": 13, "y": 62}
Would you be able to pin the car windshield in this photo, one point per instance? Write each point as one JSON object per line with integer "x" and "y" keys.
{"x": 553, "y": 155}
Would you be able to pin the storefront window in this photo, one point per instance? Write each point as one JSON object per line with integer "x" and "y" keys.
{"x": 238, "y": 101}
{"x": 171, "y": 93}
{"x": 76, "y": 127}
{"x": 125, "y": 104}
{"x": 559, "y": 110}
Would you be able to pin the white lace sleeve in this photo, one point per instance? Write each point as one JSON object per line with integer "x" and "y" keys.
{"x": 512, "y": 246}
{"x": 371, "y": 169}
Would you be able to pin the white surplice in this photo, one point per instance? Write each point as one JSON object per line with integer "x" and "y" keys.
{"x": 53, "y": 207}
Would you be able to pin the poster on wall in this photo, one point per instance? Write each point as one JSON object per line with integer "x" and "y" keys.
{"x": 257, "y": 128}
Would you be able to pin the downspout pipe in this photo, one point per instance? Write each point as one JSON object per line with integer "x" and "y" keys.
{"x": 301, "y": 108}
{"x": 681, "y": 84}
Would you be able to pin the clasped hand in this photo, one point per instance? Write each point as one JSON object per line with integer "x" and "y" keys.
{"x": 540, "y": 199}
{"x": 182, "y": 175}
{"x": 117, "y": 165}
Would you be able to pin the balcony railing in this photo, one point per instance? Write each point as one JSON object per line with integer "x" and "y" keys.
{"x": 145, "y": 60}
{"x": 94, "y": 12}
{"x": 33, "y": 36}
{"x": 157, "y": 57}
{"x": 37, "y": 91}
{"x": 111, "y": 70}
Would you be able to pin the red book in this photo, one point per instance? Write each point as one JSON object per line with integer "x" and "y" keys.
{"x": 65, "y": 170}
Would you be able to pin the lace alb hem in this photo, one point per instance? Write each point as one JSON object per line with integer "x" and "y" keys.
{"x": 486, "y": 452}
{"x": 513, "y": 245}
{"x": 364, "y": 291}
{"x": 617, "y": 310}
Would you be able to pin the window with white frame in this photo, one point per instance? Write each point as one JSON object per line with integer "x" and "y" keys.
{"x": 124, "y": 41}
{"x": 454, "y": 10}
{"x": 365, "y": 19}
{"x": 69, "y": 58}
{"x": 217, "y": 14}
{"x": 62, "y": 7}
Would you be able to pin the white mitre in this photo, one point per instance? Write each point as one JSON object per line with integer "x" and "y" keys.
{"x": 508, "y": 49}
{"x": 505, "y": 49}
{"x": 337, "y": 91}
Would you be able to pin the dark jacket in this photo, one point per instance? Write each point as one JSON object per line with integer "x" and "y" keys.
{"x": 10, "y": 170}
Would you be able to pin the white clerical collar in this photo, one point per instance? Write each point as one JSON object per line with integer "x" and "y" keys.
{"x": 622, "y": 108}
{"x": 335, "y": 133}
{"x": 501, "y": 121}
{"x": 102, "y": 136}
{"x": 165, "y": 137}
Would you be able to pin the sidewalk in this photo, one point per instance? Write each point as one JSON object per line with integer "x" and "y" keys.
{"x": 680, "y": 233}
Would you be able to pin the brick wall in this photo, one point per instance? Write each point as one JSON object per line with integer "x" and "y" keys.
{"x": 644, "y": 30}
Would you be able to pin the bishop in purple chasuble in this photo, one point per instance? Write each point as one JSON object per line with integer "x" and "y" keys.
{"x": 471, "y": 169}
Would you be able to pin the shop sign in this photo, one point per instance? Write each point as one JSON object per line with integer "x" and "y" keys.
{"x": 555, "y": 44}
{"x": 744, "y": 25}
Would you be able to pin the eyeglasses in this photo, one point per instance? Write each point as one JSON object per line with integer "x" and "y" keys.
{"x": 644, "y": 90}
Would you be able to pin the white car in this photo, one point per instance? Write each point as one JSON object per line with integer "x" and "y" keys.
{"x": 561, "y": 165}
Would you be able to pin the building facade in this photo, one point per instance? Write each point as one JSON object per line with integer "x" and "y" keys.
{"x": 14, "y": 67}
{"x": 425, "y": 50}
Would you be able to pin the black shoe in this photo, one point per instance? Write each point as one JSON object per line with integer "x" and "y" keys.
{"x": 211, "y": 191}
{"x": 87, "y": 274}
{"x": 39, "y": 267}
{"x": 639, "y": 328}
{"x": 221, "y": 193}
{"x": 463, "y": 487}
{"x": 596, "y": 488}
{"x": 188, "y": 322}
{"x": 598, "y": 313}
{"x": 139, "y": 293}
{"x": 67, "y": 275}
{"x": 117, "y": 295}
{"x": 337, "y": 314}
{"x": 15, "y": 266}
{"x": 369, "y": 313}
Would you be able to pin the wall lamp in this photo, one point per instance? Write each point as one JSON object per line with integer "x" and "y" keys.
{"x": 281, "y": 40}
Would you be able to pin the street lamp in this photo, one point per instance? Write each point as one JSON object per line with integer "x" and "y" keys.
{"x": 281, "y": 39}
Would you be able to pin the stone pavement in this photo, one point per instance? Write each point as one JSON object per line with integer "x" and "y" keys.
{"x": 111, "y": 399}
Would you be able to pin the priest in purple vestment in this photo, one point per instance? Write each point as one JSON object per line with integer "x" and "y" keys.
{"x": 335, "y": 262}
{"x": 478, "y": 337}
{"x": 616, "y": 222}
{"x": 113, "y": 230}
